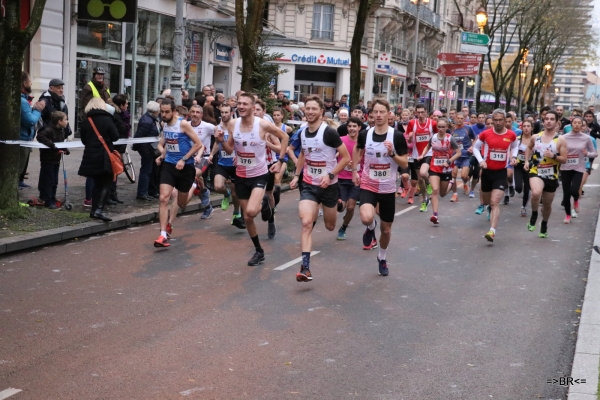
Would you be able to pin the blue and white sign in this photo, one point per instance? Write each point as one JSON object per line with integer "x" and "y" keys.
{"x": 223, "y": 53}
{"x": 319, "y": 57}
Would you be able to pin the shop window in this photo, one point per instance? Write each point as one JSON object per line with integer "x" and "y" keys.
{"x": 99, "y": 40}
{"x": 322, "y": 22}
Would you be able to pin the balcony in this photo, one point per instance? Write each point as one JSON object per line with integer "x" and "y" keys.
{"x": 427, "y": 15}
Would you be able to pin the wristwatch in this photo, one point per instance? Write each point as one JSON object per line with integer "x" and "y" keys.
{"x": 184, "y": 158}
{"x": 393, "y": 154}
{"x": 281, "y": 160}
{"x": 331, "y": 176}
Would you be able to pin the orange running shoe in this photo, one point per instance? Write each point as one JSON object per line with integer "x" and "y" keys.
{"x": 161, "y": 242}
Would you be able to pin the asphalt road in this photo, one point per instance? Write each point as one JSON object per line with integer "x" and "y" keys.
{"x": 111, "y": 317}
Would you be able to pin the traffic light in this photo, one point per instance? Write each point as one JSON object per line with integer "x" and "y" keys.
{"x": 107, "y": 10}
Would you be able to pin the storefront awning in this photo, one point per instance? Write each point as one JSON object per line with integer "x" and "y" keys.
{"x": 273, "y": 36}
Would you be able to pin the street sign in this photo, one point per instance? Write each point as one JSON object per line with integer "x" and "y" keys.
{"x": 424, "y": 79}
{"x": 451, "y": 94}
{"x": 463, "y": 69}
{"x": 459, "y": 57}
{"x": 473, "y": 48}
{"x": 475, "y": 38}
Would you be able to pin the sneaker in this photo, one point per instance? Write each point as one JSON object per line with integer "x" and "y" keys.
{"x": 454, "y": 198}
{"x": 523, "y": 212}
{"x": 271, "y": 230}
{"x": 480, "y": 209}
{"x": 567, "y": 219}
{"x": 466, "y": 189}
{"x": 369, "y": 236}
{"x": 434, "y": 219}
{"x": 404, "y": 193}
{"x": 399, "y": 192}
{"x": 256, "y": 259}
{"x": 573, "y": 213}
{"x": 320, "y": 212}
{"x": 530, "y": 227}
{"x": 225, "y": 202}
{"x": 411, "y": 200}
{"x": 371, "y": 246}
{"x": 340, "y": 206}
{"x": 506, "y": 200}
{"x": 341, "y": 234}
{"x": 489, "y": 210}
{"x": 238, "y": 222}
{"x": 543, "y": 235}
{"x": 490, "y": 236}
{"x": 383, "y": 268}
{"x": 429, "y": 189}
{"x": 87, "y": 203}
{"x": 304, "y": 275}
{"x": 576, "y": 206}
{"x": 205, "y": 198}
{"x": 423, "y": 206}
{"x": 265, "y": 211}
{"x": 471, "y": 194}
{"x": 23, "y": 185}
{"x": 207, "y": 212}
{"x": 161, "y": 242}
{"x": 511, "y": 191}
{"x": 169, "y": 231}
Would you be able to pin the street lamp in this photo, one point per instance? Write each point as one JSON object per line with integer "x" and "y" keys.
{"x": 481, "y": 17}
{"x": 547, "y": 67}
{"x": 414, "y": 60}
{"x": 522, "y": 63}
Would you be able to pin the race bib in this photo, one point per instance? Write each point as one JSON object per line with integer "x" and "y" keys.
{"x": 422, "y": 138}
{"x": 545, "y": 172}
{"x": 497, "y": 156}
{"x": 316, "y": 169}
{"x": 439, "y": 162}
{"x": 411, "y": 159}
{"x": 246, "y": 159}
{"x": 572, "y": 160}
{"x": 521, "y": 157}
{"x": 225, "y": 155}
{"x": 380, "y": 171}
{"x": 172, "y": 147}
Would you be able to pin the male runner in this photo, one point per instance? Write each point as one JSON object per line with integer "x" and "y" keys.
{"x": 381, "y": 149}
{"x": 510, "y": 190}
{"x": 205, "y": 131}
{"x": 474, "y": 170}
{"x": 177, "y": 146}
{"x": 349, "y": 192}
{"x": 319, "y": 144}
{"x": 278, "y": 115}
{"x": 249, "y": 142}
{"x": 464, "y": 137}
{"x": 497, "y": 142}
{"x": 543, "y": 157}
{"x": 422, "y": 129}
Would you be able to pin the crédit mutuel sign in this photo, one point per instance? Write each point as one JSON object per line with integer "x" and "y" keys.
{"x": 325, "y": 58}
{"x": 320, "y": 60}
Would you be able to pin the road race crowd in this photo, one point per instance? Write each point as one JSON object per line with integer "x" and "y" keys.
{"x": 341, "y": 157}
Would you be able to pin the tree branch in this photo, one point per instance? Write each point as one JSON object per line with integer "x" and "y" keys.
{"x": 34, "y": 21}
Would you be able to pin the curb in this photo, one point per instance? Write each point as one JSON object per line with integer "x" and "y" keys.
{"x": 587, "y": 350}
{"x": 50, "y": 236}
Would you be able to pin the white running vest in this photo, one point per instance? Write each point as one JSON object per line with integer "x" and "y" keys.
{"x": 319, "y": 159}
{"x": 379, "y": 170}
{"x": 250, "y": 151}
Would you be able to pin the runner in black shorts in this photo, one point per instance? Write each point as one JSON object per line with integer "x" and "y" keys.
{"x": 349, "y": 193}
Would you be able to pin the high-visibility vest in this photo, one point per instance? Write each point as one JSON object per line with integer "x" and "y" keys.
{"x": 95, "y": 92}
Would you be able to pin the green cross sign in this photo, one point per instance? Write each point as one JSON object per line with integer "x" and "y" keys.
{"x": 107, "y": 10}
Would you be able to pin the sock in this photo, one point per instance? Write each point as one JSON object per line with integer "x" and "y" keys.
{"x": 306, "y": 259}
{"x": 435, "y": 213}
{"x": 382, "y": 253}
{"x": 256, "y": 243}
{"x": 194, "y": 185}
{"x": 228, "y": 195}
{"x": 372, "y": 226}
{"x": 533, "y": 218}
{"x": 506, "y": 192}
{"x": 544, "y": 226}
{"x": 163, "y": 233}
{"x": 344, "y": 227}
{"x": 236, "y": 212}
{"x": 277, "y": 194}
{"x": 272, "y": 219}
{"x": 493, "y": 230}
{"x": 511, "y": 187}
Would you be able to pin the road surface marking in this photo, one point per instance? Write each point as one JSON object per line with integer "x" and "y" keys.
{"x": 595, "y": 166}
{"x": 590, "y": 185}
{"x": 294, "y": 261}
{"x": 405, "y": 210}
{"x": 5, "y": 394}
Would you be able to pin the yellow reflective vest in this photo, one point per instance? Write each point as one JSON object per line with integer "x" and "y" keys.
{"x": 95, "y": 92}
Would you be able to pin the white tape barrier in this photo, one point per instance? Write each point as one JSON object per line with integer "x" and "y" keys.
{"x": 76, "y": 144}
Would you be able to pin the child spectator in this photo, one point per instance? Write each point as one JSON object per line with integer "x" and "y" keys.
{"x": 50, "y": 158}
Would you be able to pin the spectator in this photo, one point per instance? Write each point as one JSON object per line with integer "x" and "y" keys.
{"x": 216, "y": 105}
{"x": 94, "y": 88}
{"x": 54, "y": 132}
{"x": 208, "y": 113}
{"x": 148, "y": 126}
{"x": 95, "y": 162}
{"x": 232, "y": 101}
{"x": 344, "y": 102}
{"x": 54, "y": 100}
{"x": 123, "y": 123}
{"x": 185, "y": 99}
{"x": 30, "y": 115}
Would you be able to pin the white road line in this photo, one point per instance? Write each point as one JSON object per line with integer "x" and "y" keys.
{"x": 590, "y": 185}
{"x": 595, "y": 166}
{"x": 5, "y": 394}
{"x": 289, "y": 264}
{"x": 405, "y": 210}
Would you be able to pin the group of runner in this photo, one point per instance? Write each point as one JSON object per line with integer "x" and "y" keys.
{"x": 336, "y": 173}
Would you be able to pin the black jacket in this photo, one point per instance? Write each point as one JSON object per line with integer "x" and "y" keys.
{"x": 594, "y": 130}
{"x": 147, "y": 127}
{"x": 48, "y": 136}
{"x": 122, "y": 129}
{"x": 95, "y": 160}
{"x": 54, "y": 102}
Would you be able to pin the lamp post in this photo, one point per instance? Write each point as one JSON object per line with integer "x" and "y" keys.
{"x": 481, "y": 17}
{"x": 522, "y": 75}
{"x": 418, "y": 3}
{"x": 556, "y": 90}
{"x": 547, "y": 67}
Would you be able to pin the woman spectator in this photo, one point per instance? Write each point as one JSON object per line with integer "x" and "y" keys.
{"x": 208, "y": 114}
{"x": 148, "y": 126}
{"x": 95, "y": 162}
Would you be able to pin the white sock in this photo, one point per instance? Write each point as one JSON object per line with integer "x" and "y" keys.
{"x": 372, "y": 226}
{"x": 493, "y": 230}
{"x": 194, "y": 185}
{"x": 382, "y": 252}
{"x": 163, "y": 233}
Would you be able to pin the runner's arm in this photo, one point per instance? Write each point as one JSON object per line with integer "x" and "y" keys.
{"x": 299, "y": 165}
{"x": 343, "y": 161}
{"x": 477, "y": 151}
{"x": 561, "y": 157}
{"x": 186, "y": 127}
{"x": 457, "y": 151}
{"x": 591, "y": 150}
{"x": 275, "y": 131}
{"x": 275, "y": 147}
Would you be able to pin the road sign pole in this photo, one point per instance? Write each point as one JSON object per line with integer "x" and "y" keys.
{"x": 411, "y": 102}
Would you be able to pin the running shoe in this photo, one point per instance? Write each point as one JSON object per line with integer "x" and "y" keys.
{"x": 471, "y": 194}
{"x": 489, "y": 210}
{"x": 429, "y": 189}
{"x": 271, "y": 230}
{"x": 341, "y": 234}
{"x": 530, "y": 227}
{"x": 205, "y": 198}
{"x": 576, "y": 206}
{"x": 411, "y": 200}
{"x": 573, "y": 213}
{"x": 399, "y": 192}
{"x": 340, "y": 206}
{"x": 265, "y": 210}
{"x": 383, "y": 268}
{"x": 369, "y": 236}
{"x": 225, "y": 202}
{"x": 371, "y": 246}
{"x": 523, "y": 212}
{"x": 207, "y": 212}
{"x": 320, "y": 212}
{"x": 23, "y": 185}
{"x": 434, "y": 219}
{"x": 238, "y": 222}
{"x": 511, "y": 191}
{"x": 466, "y": 189}
{"x": 169, "y": 231}
{"x": 490, "y": 236}
{"x": 161, "y": 242}
{"x": 423, "y": 206}
{"x": 256, "y": 259}
{"x": 454, "y": 198}
{"x": 506, "y": 200}
{"x": 404, "y": 193}
{"x": 543, "y": 235}
{"x": 304, "y": 275}
{"x": 567, "y": 219}
{"x": 87, "y": 203}
{"x": 480, "y": 209}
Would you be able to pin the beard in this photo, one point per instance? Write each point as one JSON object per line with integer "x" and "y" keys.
{"x": 27, "y": 89}
{"x": 168, "y": 121}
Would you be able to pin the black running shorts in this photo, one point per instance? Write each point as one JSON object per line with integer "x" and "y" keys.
{"x": 181, "y": 180}
{"x": 386, "y": 201}
{"x": 492, "y": 179}
{"x": 328, "y": 196}
{"x": 245, "y": 186}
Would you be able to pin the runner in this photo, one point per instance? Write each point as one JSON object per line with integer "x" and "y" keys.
{"x": 319, "y": 144}
{"x": 510, "y": 190}
{"x": 579, "y": 147}
{"x": 278, "y": 115}
{"x": 225, "y": 171}
{"x": 522, "y": 176}
{"x": 410, "y": 172}
{"x": 381, "y": 149}
{"x": 474, "y": 170}
{"x": 205, "y": 132}
{"x": 422, "y": 129}
{"x": 497, "y": 142}
{"x": 349, "y": 192}
{"x": 464, "y": 137}
{"x": 445, "y": 151}
{"x": 543, "y": 156}
{"x": 248, "y": 142}
{"x": 177, "y": 146}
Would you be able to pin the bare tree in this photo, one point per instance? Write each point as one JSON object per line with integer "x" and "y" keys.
{"x": 249, "y": 26}
{"x": 362, "y": 16}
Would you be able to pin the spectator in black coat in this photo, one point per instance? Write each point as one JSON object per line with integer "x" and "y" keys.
{"x": 54, "y": 100}
{"x": 148, "y": 126}
{"x": 95, "y": 162}
{"x": 50, "y": 158}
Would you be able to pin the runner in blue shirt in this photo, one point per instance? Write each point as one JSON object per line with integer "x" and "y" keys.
{"x": 463, "y": 135}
